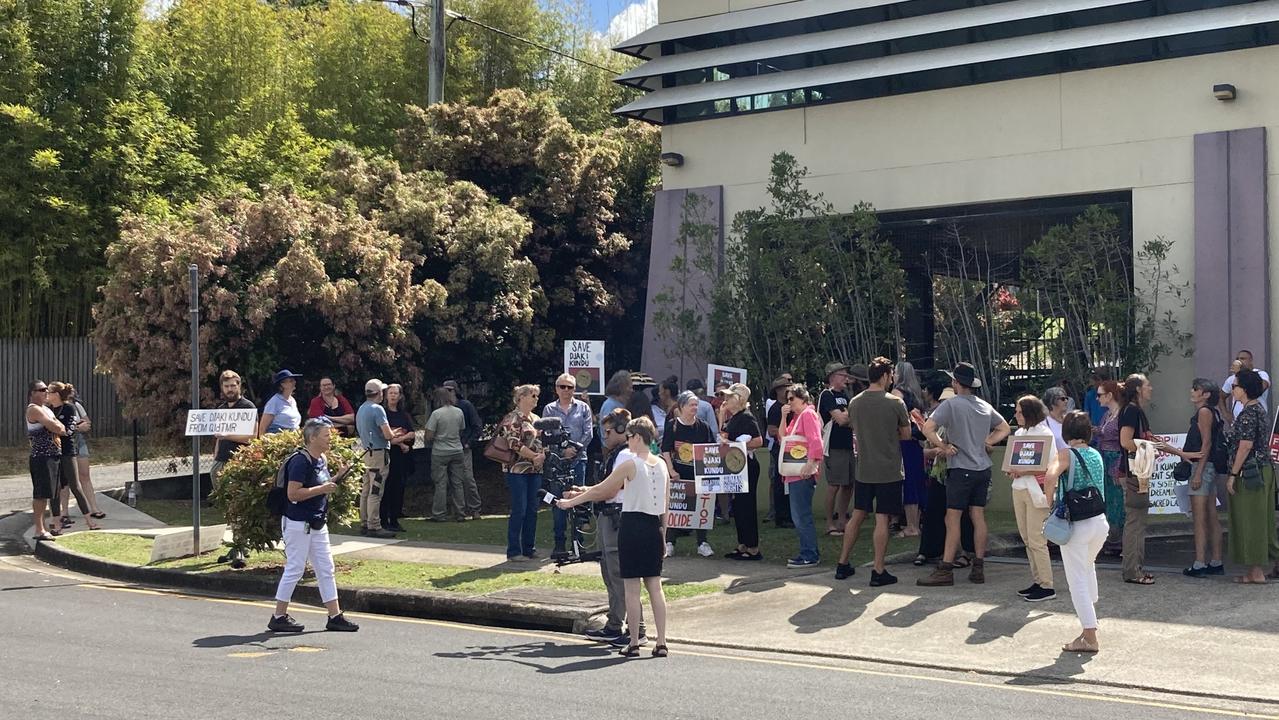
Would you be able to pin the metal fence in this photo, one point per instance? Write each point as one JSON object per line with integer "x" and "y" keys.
{"x": 69, "y": 359}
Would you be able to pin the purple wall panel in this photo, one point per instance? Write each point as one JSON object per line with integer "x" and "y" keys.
{"x": 1231, "y": 286}
{"x": 668, "y": 209}
{"x": 1212, "y": 254}
{"x": 1249, "y": 267}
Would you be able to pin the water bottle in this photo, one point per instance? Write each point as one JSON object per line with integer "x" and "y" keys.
{"x": 133, "y": 494}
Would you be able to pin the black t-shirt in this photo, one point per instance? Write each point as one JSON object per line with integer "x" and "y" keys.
{"x": 773, "y": 418}
{"x": 1132, "y": 416}
{"x": 66, "y": 415}
{"x": 677, "y": 436}
{"x": 841, "y": 436}
{"x": 311, "y": 473}
{"x": 743, "y": 423}
{"x": 226, "y": 448}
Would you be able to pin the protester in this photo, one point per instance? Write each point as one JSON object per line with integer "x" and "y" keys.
{"x": 225, "y": 445}
{"x": 685, "y": 429}
{"x": 840, "y": 463}
{"x": 83, "y": 426}
{"x": 1244, "y": 358}
{"x": 575, "y": 417}
{"x": 1200, "y": 453}
{"x": 375, "y": 432}
{"x": 740, "y": 426}
{"x": 1083, "y": 468}
{"x": 608, "y": 515}
{"x": 881, "y": 422}
{"x": 58, "y": 398}
{"x": 332, "y": 404}
{"x": 443, "y": 430}
{"x": 523, "y": 477}
{"x": 400, "y": 457}
{"x": 1251, "y": 482}
{"x": 1031, "y": 504}
{"x": 44, "y": 433}
{"x": 1133, "y": 426}
{"x": 470, "y": 435}
{"x": 641, "y": 404}
{"x": 914, "y": 483}
{"x": 773, "y": 421}
{"x": 616, "y": 393}
{"x": 305, "y": 529}
{"x": 973, "y": 428}
{"x": 1106, "y": 436}
{"x": 1093, "y": 405}
{"x": 799, "y": 417}
{"x": 281, "y": 412}
{"x": 932, "y": 527}
{"x": 666, "y": 393}
{"x": 643, "y": 483}
{"x": 1056, "y": 404}
{"x": 705, "y": 412}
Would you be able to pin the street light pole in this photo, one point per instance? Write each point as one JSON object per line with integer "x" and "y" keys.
{"x": 195, "y": 405}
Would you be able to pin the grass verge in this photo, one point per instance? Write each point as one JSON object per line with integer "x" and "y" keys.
{"x": 135, "y": 550}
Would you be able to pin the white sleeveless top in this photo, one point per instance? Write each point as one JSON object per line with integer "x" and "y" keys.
{"x": 648, "y": 490}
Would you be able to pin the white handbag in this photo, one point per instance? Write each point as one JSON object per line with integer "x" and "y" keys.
{"x": 793, "y": 456}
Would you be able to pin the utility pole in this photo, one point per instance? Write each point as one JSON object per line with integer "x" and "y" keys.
{"x": 437, "y": 49}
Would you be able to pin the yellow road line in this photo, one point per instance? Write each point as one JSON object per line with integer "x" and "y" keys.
{"x": 896, "y": 674}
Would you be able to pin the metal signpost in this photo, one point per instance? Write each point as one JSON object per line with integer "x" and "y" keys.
{"x": 195, "y": 405}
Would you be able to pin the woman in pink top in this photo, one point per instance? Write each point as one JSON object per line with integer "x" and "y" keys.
{"x": 799, "y": 417}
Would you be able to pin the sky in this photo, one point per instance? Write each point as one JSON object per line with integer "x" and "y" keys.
{"x": 623, "y": 18}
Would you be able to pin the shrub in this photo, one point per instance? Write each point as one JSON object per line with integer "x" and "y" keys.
{"x": 244, "y": 482}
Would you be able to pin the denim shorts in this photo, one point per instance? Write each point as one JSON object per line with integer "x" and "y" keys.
{"x": 1209, "y": 486}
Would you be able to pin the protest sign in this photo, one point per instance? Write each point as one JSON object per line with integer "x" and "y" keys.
{"x": 1028, "y": 454}
{"x": 688, "y": 510}
{"x": 584, "y": 360}
{"x": 1163, "y": 488}
{"x": 716, "y": 374}
{"x": 720, "y": 467}
{"x": 232, "y": 421}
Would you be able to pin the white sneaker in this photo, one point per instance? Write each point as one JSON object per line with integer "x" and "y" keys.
{"x": 670, "y": 550}
{"x": 705, "y": 550}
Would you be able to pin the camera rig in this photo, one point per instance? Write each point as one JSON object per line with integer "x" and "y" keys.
{"x": 557, "y": 478}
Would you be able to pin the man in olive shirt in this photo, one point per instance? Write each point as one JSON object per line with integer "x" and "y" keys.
{"x": 444, "y": 431}
{"x": 881, "y": 422}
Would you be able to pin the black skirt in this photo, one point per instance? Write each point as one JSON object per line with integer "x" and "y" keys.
{"x": 640, "y": 545}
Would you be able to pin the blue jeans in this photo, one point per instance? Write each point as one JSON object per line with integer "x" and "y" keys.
{"x": 801, "y": 513}
{"x": 521, "y": 529}
{"x": 559, "y": 517}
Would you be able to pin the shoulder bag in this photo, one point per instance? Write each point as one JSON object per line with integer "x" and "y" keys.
{"x": 1086, "y": 503}
{"x": 500, "y": 449}
{"x": 1057, "y": 529}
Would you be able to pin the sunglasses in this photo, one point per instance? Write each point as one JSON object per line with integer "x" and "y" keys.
{"x": 43, "y": 389}
{"x": 630, "y": 435}
{"x": 566, "y": 387}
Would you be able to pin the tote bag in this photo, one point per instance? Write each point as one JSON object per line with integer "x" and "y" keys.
{"x": 793, "y": 457}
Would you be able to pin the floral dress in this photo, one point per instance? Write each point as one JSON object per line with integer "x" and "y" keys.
{"x": 1111, "y": 452}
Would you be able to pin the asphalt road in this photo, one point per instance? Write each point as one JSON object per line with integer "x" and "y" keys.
{"x": 74, "y": 648}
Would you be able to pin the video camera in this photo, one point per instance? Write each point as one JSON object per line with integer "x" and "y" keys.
{"x": 557, "y": 478}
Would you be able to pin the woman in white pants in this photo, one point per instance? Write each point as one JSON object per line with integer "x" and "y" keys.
{"x": 304, "y": 526}
{"x": 1083, "y": 468}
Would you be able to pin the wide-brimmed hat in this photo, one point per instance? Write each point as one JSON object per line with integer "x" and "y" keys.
{"x": 639, "y": 379}
{"x": 282, "y": 376}
{"x": 965, "y": 374}
{"x": 859, "y": 372}
{"x": 834, "y": 367}
{"x": 778, "y": 384}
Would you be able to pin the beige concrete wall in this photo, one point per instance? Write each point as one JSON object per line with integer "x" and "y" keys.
{"x": 1122, "y": 128}
{"x": 673, "y": 10}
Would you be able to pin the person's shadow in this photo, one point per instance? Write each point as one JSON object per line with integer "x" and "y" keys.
{"x": 1067, "y": 666}
{"x": 908, "y": 615}
{"x": 1000, "y": 622}
{"x": 593, "y": 657}
{"x": 255, "y": 640}
{"x": 838, "y": 607}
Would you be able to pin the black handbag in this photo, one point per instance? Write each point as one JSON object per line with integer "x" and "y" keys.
{"x": 1086, "y": 503}
{"x": 1250, "y": 474}
{"x": 1182, "y": 471}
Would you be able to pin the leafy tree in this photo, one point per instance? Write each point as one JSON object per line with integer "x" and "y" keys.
{"x": 284, "y": 281}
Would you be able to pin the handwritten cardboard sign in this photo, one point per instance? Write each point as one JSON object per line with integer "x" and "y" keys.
{"x": 721, "y": 467}
{"x": 584, "y": 360}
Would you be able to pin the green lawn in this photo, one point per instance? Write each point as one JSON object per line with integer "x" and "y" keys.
{"x": 135, "y": 550}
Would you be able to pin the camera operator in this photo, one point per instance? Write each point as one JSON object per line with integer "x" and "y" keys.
{"x": 608, "y": 522}
{"x": 576, "y": 419}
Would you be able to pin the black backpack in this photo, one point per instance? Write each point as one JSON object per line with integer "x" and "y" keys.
{"x": 277, "y": 498}
{"x": 1218, "y": 454}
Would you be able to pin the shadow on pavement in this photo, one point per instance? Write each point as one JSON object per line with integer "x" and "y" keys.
{"x": 526, "y": 654}
{"x": 837, "y": 608}
{"x": 226, "y": 641}
{"x": 1002, "y": 622}
{"x": 1068, "y": 665}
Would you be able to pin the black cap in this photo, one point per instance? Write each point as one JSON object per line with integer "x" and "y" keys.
{"x": 965, "y": 374}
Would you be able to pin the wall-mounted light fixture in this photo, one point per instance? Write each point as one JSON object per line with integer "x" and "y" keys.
{"x": 672, "y": 159}
{"x": 1224, "y": 92}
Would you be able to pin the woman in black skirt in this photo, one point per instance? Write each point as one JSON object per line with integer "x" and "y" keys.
{"x": 645, "y": 487}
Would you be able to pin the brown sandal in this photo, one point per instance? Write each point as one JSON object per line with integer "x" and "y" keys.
{"x": 1079, "y": 645}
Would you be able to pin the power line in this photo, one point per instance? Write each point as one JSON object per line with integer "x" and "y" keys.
{"x": 526, "y": 41}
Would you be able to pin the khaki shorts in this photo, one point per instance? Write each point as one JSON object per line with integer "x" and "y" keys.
{"x": 841, "y": 468}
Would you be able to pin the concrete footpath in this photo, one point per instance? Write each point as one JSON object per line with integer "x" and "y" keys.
{"x": 1207, "y": 637}
{"x": 15, "y": 490}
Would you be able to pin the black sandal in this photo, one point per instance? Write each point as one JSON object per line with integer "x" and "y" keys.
{"x": 660, "y": 651}
{"x": 961, "y": 562}
{"x": 98, "y": 515}
{"x": 630, "y": 651}
{"x": 919, "y": 561}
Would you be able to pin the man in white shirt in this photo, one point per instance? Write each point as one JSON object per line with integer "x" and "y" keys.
{"x": 1244, "y": 360}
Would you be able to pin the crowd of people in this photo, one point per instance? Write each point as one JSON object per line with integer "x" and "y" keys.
{"x": 915, "y": 455}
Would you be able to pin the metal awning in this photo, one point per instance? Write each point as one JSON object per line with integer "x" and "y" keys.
{"x": 1264, "y": 11}
{"x": 647, "y": 76}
